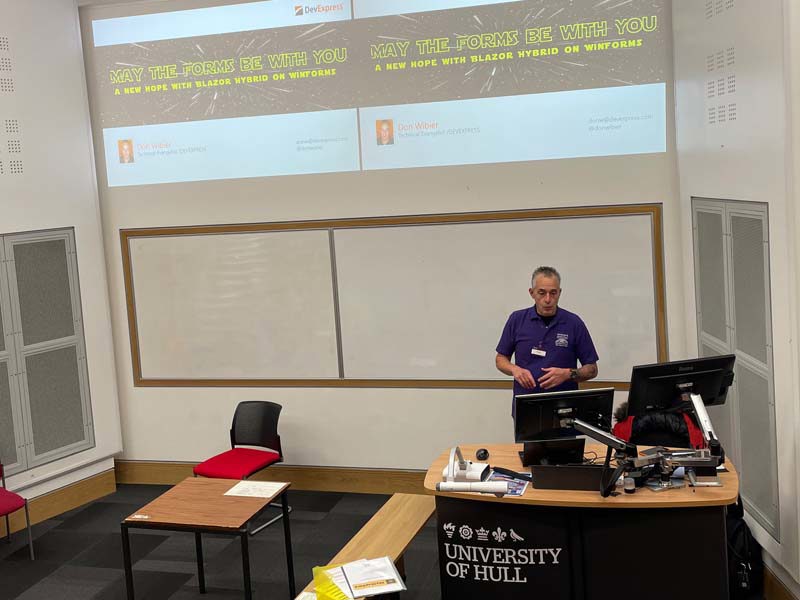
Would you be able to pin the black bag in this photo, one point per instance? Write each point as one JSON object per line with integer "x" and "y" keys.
{"x": 745, "y": 563}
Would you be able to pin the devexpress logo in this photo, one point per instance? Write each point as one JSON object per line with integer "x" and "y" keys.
{"x": 301, "y": 9}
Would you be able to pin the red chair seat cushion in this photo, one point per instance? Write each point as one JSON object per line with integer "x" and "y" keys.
{"x": 10, "y": 502}
{"x": 236, "y": 463}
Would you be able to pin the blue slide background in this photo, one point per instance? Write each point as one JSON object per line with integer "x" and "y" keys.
{"x": 518, "y": 128}
{"x": 581, "y": 123}
{"x": 245, "y": 147}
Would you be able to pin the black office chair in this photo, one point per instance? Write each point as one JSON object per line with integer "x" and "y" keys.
{"x": 255, "y": 423}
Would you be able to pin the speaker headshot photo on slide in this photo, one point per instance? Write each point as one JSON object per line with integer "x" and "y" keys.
{"x": 384, "y": 130}
{"x": 125, "y": 151}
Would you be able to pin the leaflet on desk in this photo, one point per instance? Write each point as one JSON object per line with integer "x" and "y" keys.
{"x": 255, "y": 489}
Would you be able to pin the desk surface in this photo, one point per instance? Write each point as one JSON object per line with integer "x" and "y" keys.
{"x": 507, "y": 455}
{"x": 386, "y": 533}
{"x": 200, "y": 502}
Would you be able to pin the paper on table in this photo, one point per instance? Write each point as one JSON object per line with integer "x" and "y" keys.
{"x": 373, "y": 577}
{"x": 255, "y": 489}
{"x": 307, "y": 596}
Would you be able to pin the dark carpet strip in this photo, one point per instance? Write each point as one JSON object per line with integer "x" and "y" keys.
{"x": 79, "y": 554}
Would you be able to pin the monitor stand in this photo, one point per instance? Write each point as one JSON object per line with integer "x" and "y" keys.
{"x": 553, "y": 452}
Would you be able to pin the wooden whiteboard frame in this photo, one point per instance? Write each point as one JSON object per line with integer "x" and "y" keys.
{"x": 126, "y": 235}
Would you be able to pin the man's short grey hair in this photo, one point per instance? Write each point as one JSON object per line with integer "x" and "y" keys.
{"x": 547, "y": 272}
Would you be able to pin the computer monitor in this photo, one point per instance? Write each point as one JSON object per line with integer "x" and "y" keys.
{"x": 543, "y": 423}
{"x": 659, "y": 387}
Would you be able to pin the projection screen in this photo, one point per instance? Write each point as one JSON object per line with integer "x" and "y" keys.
{"x": 275, "y": 87}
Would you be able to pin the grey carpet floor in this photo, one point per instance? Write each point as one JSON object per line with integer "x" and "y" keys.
{"x": 79, "y": 554}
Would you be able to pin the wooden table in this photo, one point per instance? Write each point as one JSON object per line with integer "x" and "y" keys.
{"x": 200, "y": 505}
{"x": 577, "y": 545}
{"x": 388, "y": 532}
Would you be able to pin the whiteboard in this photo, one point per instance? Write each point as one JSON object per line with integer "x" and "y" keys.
{"x": 334, "y": 302}
{"x": 235, "y": 306}
{"x": 430, "y": 301}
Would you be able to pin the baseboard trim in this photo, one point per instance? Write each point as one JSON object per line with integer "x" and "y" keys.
{"x": 317, "y": 479}
{"x": 62, "y": 500}
{"x": 774, "y": 589}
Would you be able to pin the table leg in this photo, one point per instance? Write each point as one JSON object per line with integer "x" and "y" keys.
{"x": 248, "y": 592}
{"x": 201, "y": 576}
{"x": 126, "y": 559}
{"x": 288, "y": 540}
{"x": 400, "y": 563}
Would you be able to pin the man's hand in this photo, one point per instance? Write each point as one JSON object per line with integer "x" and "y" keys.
{"x": 523, "y": 377}
{"x": 553, "y": 376}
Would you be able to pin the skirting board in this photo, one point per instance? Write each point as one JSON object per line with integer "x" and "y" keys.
{"x": 317, "y": 479}
{"x": 62, "y": 500}
{"x": 774, "y": 588}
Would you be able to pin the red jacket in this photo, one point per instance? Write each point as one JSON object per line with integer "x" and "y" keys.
{"x": 623, "y": 430}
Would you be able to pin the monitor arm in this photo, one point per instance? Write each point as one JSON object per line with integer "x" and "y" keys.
{"x": 613, "y": 442}
{"x": 704, "y": 423}
{"x": 706, "y": 475}
{"x": 700, "y": 464}
{"x": 703, "y": 420}
{"x": 625, "y": 452}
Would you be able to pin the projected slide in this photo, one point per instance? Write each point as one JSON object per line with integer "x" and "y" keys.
{"x": 279, "y": 88}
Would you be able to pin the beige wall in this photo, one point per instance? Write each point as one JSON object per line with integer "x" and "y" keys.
{"x": 747, "y": 159}
{"x": 402, "y": 428}
{"x": 58, "y": 189}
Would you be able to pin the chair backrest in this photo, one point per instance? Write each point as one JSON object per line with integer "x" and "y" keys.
{"x": 661, "y": 429}
{"x": 255, "y": 423}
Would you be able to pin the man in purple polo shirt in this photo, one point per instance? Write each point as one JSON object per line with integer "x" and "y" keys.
{"x": 547, "y": 342}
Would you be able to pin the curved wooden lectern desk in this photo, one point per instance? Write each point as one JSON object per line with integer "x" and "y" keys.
{"x": 576, "y": 545}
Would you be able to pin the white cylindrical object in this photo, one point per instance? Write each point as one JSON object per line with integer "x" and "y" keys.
{"x": 488, "y": 487}
{"x": 473, "y": 472}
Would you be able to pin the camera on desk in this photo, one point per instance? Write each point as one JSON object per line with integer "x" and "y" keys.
{"x": 466, "y": 476}
{"x": 460, "y": 470}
